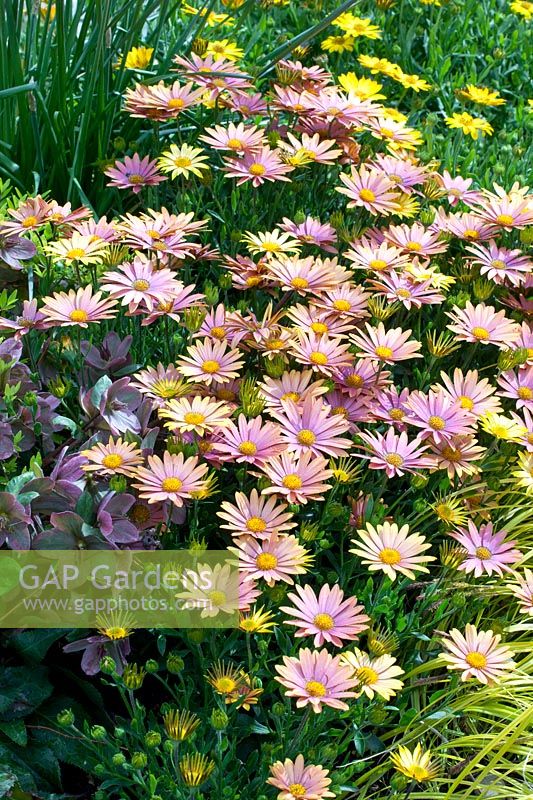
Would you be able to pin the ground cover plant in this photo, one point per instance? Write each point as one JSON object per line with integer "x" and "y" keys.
{"x": 266, "y": 287}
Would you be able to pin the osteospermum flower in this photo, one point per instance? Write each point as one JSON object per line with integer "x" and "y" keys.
{"x": 298, "y": 478}
{"x": 478, "y": 654}
{"x": 237, "y": 138}
{"x": 199, "y": 415}
{"x": 523, "y": 591}
{"x": 459, "y": 456}
{"x": 77, "y": 308}
{"x": 321, "y": 353}
{"x": 292, "y": 385}
{"x": 518, "y": 386}
{"x": 210, "y": 361}
{"x": 255, "y": 515}
{"x": 183, "y": 160}
{"x": 271, "y": 242}
{"x": 380, "y": 257}
{"x": 373, "y": 675}
{"x": 438, "y": 416}
{"x": 415, "y": 764}
{"x": 306, "y": 275}
{"x": 474, "y": 394}
{"x": 316, "y": 678}
{"x": 482, "y": 95}
{"x": 258, "y": 166}
{"x": 171, "y": 478}
{"x": 469, "y": 125}
{"x": 250, "y": 441}
{"x": 369, "y": 189}
{"x": 160, "y": 383}
{"x": 81, "y": 249}
{"x": 392, "y": 549}
{"x": 387, "y": 346}
{"x": 486, "y": 550}
{"x": 524, "y": 473}
{"x": 299, "y": 781}
{"x": 502, "y": 427}
{"x": 114, "y": 458}
{"x": 277, "y": 558}
{"x": 312, "y": 427}
{"x": 484, "y": 325}
{"x": 134, "y": 173}
{"x": 394, "y": 453}
{"x": 140, "y": 282}
{"x": 328, "y": 617}
{"x": 500, "y": 264}
{"x": 415, "y": 239}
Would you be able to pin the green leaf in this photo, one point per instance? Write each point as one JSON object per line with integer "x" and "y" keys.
{"x": 22, "y": 690}
{"x": 16, "y": 731}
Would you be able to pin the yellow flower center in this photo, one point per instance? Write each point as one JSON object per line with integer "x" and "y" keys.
{"x": 396, "y": 414}
{"x": 271, "y": 247}
{"x": 451, "y": 454}
{"x": 419, "y": 773}
{"x": 324, "y": 622}
{"x": 225, "y": 685}
{"x": 497, "y": 263}
{"x": 78, "y": 315}
{"x": 217, "y": 598}
{"x": 403, "y": 293}
{"x": 367, "y": 675}
{"x": 354, "y": 381}
{"x": 266, "y": 562}
{"x": 274, "y": 344}
{"x": 416, "y": 246}
{"x": 292, "y": 481}
{"x": 256, "y": 524}
{"x": 319, "y": 327}
{"x": 390, "y": 556}
{"x": 466, "y": 402}
{"x": 234, "y": 144}
{"x": 247, "y": 448}
{"x": 315, "y": 689}
{"x": 384, "y": 352}
{"x": 29, "y": 221}
{"x": 141, "y": 285}
{"x": 225, "y": 394}
{"x": 297, "y": 790}
{"x": 341, "y": 305}
{"x": 171, "y": 484}
{"x": 437, "y": 423}
{"x": 367, "y": 195}
{"x": 218, "y": 333}
{"x": 139, "y": 513}
{"x": 193, "y": 418}
{"x": 480, "y": 333}
{"x": 394, "y": 459}
{"x": 257, "y": 169}
{"x": 182, "y": 161}
{"x": 483, "y": 553}
{"x": 135, "y": 178}
{"x": 306, "y": 437}
{"x": 470, "y": 233}
{"x": 316, "y": 357}
{"x": 112, "y": 461}
{"x": 505, "y": 219}
{"x": 294, "y": 396}
{"x": 176, "y": 102}
{"x": 378, "y": 263}
{"x": 210, "y": 366}
{"x": 299, "y": 283}
{"x": 76, "y": 252}
{"x": 525, "y": 393}
{"x": 116, "y": 632}
{"x": 340, "y": 411}
{"x": 476, "y": 660}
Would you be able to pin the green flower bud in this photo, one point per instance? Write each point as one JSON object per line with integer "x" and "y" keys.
{"x": 168, "y": 746}
{"x": 219, "y": 719}
{"x": 139, "y": 760}
{"x": 151, "y": 665}
{"x": 152, "y": 739}
{"x": 174, "y": 663}
{"x": 99, "y": 769}
{"x": 526, "y": 235}
{"x": 118, "y": 759}
{"x": 225, "y": 280}
{"x": 300, "y": 217}
{"x": 211, "y": 293}
{"x": 118, "y": 484}
{"x": 119, "y": 733}
{"x": 98, "y": 733}
{"x": 279, "y": 709}
{"x": 275, "y": 366}
{"x": 107, "y": 665}
{"x": 196, "y": 635}
{"x": 65, "y": 718}
{"x": 119, "y": 143}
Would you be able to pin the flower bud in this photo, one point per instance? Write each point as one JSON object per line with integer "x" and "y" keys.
{"x": 107, "y": 665}
{"x": 118, "y": 759}
{"x": 118, "y": 484}
{"x": 98, "y": 733}
{"x": 139, "y": 760}
{"x": 133, "y": 676}
{"x": 65, "y": 718}
{"x": 196, "y": 635}
{"x": 152, "y": 739}
{"x": 151, "y": 665}
{"x": 219, "y": 719}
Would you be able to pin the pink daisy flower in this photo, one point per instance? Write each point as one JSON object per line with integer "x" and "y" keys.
{"x": 250, "y": 441}
{"x": 77, "y": 308}
{"x": 389, "y": 405}
{"x": 402, "y": 174}
{"x": 311, "y": 319}
{"x": 381, "y": 257}
{"x": 415, "y": 239}
{"x": 486, "y": 550}
{"x": 255, "y": 515}
{"x": 237, "y": 138}
{"x": 328, "y": 617}
{"x": 369, "y": 189}
{"x": 274, "y": 559}
{"x": 500, "y": 264}
{"x": 312, "y": 231}
{"x": 526, "y": 422}
{"x": 114, "y": 458}
{"x": 351, "y": 409}
{"x": 364, "y": 376}
{"x": 468, "y": 227}
{"x": 258, "y": 166}
{"x": 478, "y": 654}
{"x": 506, "y": 211}
{"x": 249, "y": 105}
{"x": 518, "y": 386}
{"x": 438, "y": 416}
{"x": 321, "y": 353}
{"x": 402, "y": 288}
{"x": 29, "y": 319}
{"x": 311, "y": 148}
{"x": 134, "y": 173}
{"x": 196, "y": 414}
{"x": 317, "y": 679}
{"x": 299, "y": 478}
{"x": 387, "y": 346}
{"x": 458, "y": 456}
{"x": 183, "y": 297}
{"x": 311, "y": 427}
{"x": 306, "y": 275}
{"x": 475, "y": 395}
{"x": 484, "y": 325}
{"x": 523, "y": 591}
{"x": 140, "y": 282}
{"x": 293, "y": 385}
{"x": 159, "y": 383}
{"x": 346, "y": 301}
{"x": 171, "y": 478}
{"x": 394, "y": 453}
{"x": 210, "y": 361}
{"x": 392, "y": 550}
{"x": 288, "y": 99}
{"x": 299, "y": 781}
{"x": 458, "y": 189}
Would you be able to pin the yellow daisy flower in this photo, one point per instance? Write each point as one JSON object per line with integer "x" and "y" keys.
{"x": 414, "y": 82}
{"x": 211, "y": 17}
{"x": 363, "y": 88}
{"x": 502, "y": 427}
{"x": 223, "y": 48}
{"x": 357, "y": 26}
{"x": 337, "y": 44}
{"x": 182, "y": 161}
{"x": 417, "y": 764}
{"x": 522, "y": 7}
{"x": 470, "y": 126}
{"x": 525, "y": 471}
{"x": 138, "y": 57}
{"x": 481, "y": 95}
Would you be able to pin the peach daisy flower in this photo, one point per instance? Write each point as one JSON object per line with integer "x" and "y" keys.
{"x": 258, "y": 166}
{"x": 114, "y": 458}
{"x": 415, "y": 239}
{"x": 311, "y": 427}
{"x": 307, "y": 275}
{"x": 474, "y": 394}
{"x": 374, "y": 675}
{"x": 200, "y": 415}
{"x": 484, "y": 325}
{"x": 274, "y": 559}
{"x": 160, "y": 383}
{"x": 392, "y": 550}
{"x": 171, "y": 478}
{"x": 317, "y": 679}
{"x": 209, "y": 361}
{"x": 486, "y": 550}
{"x": 321, "y": 353}
{"x": 458, "y": 456}
{"x": 478, "y": 654}
{"x": 438, "y": 416}
{"x": 346, "y": 301}
{"x": 250, "y": 441}
{"x": 518, "y": 386}
{"x": 255, "y": 515}
{"x": 328, "y": 617}
{"x": 134, "y": 173}
{"x": 299, "y": 781}
{"x": 394, "y": 453}
{"x": 369, "y": 255}
{"x": 523, "y": 591}
{"x": 387, "y": 346}
{"x": 77, "y": 308}
{"x": 299, "y": 478}
{"x": 140, "y": 282}
{"x": 369, "y": 189}
{"x": 237, "y": 138}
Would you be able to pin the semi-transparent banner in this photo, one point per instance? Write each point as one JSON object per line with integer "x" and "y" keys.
{"x": 133, "y": 589}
